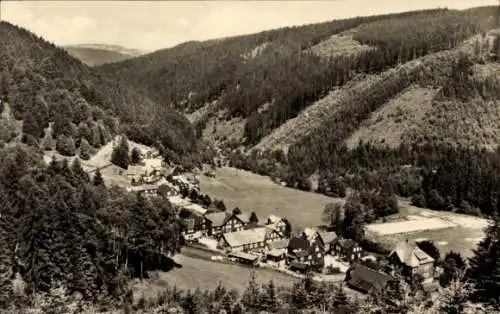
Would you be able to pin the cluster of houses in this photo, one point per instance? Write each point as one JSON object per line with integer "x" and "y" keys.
{"x": 250, "y": 242}
{"x": 243, "y": 238}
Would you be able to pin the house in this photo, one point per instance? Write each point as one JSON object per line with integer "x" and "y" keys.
{"x": 411, "y": 260}
{"x": 218, "y": 220}
{"x": 244, "y": 218}
{"x": 223, "y": 222}
{"x": 277, "y": 251}
{"x": 250, "y": 240}
{"x": 194, "y": 224}
{"x": 328, "y": 239}
{"x": 347, "y": 249}
{"x": 277, "y": 222}
{"x": 367, "y": 280}
{"x": 307, "y": 251}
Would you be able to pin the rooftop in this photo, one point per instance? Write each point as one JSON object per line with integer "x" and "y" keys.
{"x": 411, "y": 255}
{"x": 218, "y": 218}
{"x": 248, "y": 236}
{"x": 243, "y": 255}
{"x": 280, "y": 244}
{"x": 328, "y": 237}
{"x": 272, "y": 219}
{"x": 366, "y": 279}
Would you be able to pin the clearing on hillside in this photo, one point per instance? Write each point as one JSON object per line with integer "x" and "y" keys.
{"x": 252, "y": 192}
{"x": 338, "y": 45}
{"x": 388, "y": 124}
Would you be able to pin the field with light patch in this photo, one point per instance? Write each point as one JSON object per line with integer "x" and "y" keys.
{"x": 449, "y": 231}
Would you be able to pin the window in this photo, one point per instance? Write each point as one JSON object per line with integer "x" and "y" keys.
{"x": 317, "y": 249}
{"x": 319, "y": 255}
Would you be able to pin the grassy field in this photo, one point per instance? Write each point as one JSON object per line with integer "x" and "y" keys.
{"x": 462, "y": 236}
{"x": 204, "y": 274}
{"x": 252, "y": 192}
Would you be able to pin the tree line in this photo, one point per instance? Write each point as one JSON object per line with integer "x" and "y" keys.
{"x": 62, "y": 228}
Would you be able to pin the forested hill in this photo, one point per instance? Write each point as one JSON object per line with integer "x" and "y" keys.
{"x": 53, "y": 96}
{"x": 244, "y": 88}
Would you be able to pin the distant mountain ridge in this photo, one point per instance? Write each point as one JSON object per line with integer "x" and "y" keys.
{"x": 115, "y": 48}
{"x": 97, "y": 54}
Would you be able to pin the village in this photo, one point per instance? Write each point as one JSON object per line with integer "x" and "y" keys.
{"x": 244, "y": 238}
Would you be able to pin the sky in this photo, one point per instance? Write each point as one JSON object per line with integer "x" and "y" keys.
{"x": 152, "y": 25}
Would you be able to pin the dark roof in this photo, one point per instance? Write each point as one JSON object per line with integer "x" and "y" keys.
{"x": 347, "y": 244}
{"x": 298, "y": 243}
{"x": 366, "y": 279}
{"x": 298, "y": 265}
{"x": 218, "y": 219}
{"x": 244, "y": 256}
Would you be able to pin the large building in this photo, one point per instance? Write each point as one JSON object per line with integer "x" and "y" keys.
{"x": 411, "y": 260}
{"x": 254, "y": 240}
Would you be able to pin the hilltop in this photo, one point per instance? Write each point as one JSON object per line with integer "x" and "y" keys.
{"x": 54, "y": 101}
{"x": 97, "y": 54}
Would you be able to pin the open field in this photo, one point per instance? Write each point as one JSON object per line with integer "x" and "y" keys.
{"x": 252, "y": 192}
{"x": 449, "y": 231}
{"x": 203, "y": 274}
{"x": 412, "y": 225}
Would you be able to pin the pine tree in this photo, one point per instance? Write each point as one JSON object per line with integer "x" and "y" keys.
{"x": 120, "y": 155}
{"x": 85, "y": 149}
{"x": 254, "y": 218}
{"x": 453, "y": 298}
{"x": 484, "y": 271}
{"x": 251, "y": 296}
{"x": 453, "y": 268}
{"x": 80, "y": 175}
{"x": 135, "y": 156}
{"x": 98, "y": 180}
{"x": 269, "y": 298}
{"x": 65, "y": 146}
{"x": 31, "y": 126}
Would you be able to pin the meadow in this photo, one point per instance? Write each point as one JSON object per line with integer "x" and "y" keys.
{"x": 252, "y": 192}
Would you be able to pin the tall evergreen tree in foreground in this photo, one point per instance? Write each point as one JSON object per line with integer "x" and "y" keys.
{"x": 484, "y": 272}
{"x": 120, "y": 155}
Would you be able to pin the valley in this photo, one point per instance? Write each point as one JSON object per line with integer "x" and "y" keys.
{"x": 351, "y": 165}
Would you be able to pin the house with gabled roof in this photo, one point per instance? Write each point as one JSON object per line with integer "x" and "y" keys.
{"x": 411, "y": 260}
{"x": 328, "y": 239}
{"x": 249, "y": 240}
{"x": 277, "y": 222}
{"x": 194, "y": 225}
{"x": 347, "y": 249}
{"x": 218, "y": 221}
{"x": 306, "y": 250}
{"x": 367, "y": 280}
{"x": 276, "y": 251}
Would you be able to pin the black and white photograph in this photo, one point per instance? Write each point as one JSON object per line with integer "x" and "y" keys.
{"x": 243, "y": 156}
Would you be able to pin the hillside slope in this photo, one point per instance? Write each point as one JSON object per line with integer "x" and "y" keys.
{"x": 242, "y": 90}
{"x": 95, "y": 54}
{"x": 61, "y": 99}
